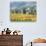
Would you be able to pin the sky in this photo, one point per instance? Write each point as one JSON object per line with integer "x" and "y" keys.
{"x": 16, "y": 4}
{"x": 30, "y": 30}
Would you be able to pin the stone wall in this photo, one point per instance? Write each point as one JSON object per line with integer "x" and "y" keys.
{"x": 11, "y": 40}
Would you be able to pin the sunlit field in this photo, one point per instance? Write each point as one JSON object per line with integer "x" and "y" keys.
{"x": 22, "y": 17}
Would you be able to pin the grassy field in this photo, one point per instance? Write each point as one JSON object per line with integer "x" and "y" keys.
{"x": 22, "y": 17}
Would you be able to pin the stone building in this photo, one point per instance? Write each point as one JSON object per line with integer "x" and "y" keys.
{"x": 11, "y": 40}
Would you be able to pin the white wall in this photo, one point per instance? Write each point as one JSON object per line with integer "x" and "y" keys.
{"x": 30, "y": 30}
{"x": 39, "y": 44}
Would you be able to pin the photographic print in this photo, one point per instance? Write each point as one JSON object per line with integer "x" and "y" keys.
{"x": 23, "y": 11}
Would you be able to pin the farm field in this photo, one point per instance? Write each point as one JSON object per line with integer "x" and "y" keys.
{"x": 22, "y": 17}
